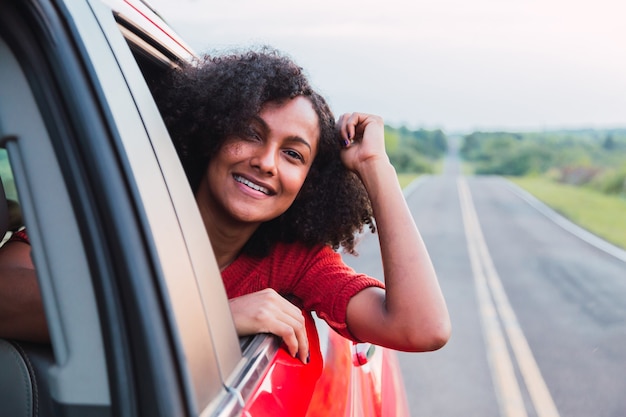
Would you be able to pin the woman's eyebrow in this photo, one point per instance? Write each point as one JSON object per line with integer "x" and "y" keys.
{"x": 300, "y": 140}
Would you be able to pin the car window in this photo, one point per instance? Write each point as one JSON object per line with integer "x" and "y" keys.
{"x": 15, "y": 218}
{"x": 7, "y": 176}
{"x": 154, "y": 61}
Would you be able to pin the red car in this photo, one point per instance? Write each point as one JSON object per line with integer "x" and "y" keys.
{"x": 138, "y": 316}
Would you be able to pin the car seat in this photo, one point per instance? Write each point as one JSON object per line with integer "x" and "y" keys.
{"x": 24, "y": 391}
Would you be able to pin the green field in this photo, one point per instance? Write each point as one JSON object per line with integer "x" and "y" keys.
{"x": 601, "y": 214}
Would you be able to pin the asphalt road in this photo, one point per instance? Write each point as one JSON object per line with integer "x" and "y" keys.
{"x": 538, "y": 312}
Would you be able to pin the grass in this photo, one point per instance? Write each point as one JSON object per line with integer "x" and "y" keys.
{"x": 601, "y": 214}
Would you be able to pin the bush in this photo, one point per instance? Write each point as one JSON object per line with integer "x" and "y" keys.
{"x": 514, "y": 159}
{"x": 410, "y": 161}
{"x": 577, "y": 157}
{"x": 611, "y": 181}
{"x": 414, "y": 151}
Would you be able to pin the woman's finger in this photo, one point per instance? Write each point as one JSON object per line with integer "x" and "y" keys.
{"x": 349, "y": 127}
{"x": 293, "y": 332}
{"x": 342, "y": 129}
{"x": 292, "y": 316}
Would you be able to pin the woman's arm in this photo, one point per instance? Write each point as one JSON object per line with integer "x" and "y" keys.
{"x": 411, "y": 314}
{"x": 21, "y": 310}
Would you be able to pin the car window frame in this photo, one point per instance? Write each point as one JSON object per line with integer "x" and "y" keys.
{"x": 251, "y": 365}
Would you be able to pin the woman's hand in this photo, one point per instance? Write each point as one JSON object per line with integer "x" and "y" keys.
{"x": 363, "y": 138}
{"x": 266, "y": 311}
{"x": 411, "y": 313}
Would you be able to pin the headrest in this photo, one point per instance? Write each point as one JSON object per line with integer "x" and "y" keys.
{"x": 18, "y": 388}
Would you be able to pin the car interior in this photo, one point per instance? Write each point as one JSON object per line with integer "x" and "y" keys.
{"x": 23, "y": 388}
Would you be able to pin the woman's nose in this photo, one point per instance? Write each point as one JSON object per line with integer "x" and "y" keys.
{"x": 265, "y": 160}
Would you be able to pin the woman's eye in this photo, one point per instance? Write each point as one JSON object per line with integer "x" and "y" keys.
{"x": 293, "y": 154}
{"x": 253, "y": 134}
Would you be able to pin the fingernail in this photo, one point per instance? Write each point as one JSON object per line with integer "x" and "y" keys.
{"x": 346, "y": 142}
{"x": 308, "y": 357}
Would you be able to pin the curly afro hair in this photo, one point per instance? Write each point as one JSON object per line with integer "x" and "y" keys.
{"x": 205, "y": 103}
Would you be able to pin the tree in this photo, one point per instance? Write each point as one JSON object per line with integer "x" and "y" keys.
{"x": 609, "y": 143}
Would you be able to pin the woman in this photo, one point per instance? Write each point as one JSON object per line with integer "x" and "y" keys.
{"x": 281, "y": 186}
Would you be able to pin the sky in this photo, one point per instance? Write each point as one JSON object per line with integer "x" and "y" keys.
{"x": 456, "y": 65}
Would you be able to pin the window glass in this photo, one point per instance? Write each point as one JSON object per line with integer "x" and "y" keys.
{"x": 15, "y": 220}
{"x": 7, "y": 176}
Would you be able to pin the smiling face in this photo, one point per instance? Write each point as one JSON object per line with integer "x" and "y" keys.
{"x": 256, "y": 175}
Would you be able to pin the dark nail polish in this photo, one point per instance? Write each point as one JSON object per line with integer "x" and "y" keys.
{"x": 346, "y": 142}
{"x": 308, "y": 357}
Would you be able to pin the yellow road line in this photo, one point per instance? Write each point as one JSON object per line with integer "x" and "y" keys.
{"x": 488, "y": 285}
{"x": 507, "y": 388}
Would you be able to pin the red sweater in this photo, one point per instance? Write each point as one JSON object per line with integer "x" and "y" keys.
{"x": 19, "y": 236}
{"x": 314, "y": 279}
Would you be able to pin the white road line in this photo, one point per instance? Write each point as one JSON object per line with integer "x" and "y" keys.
{"x": 487, "y": 281}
